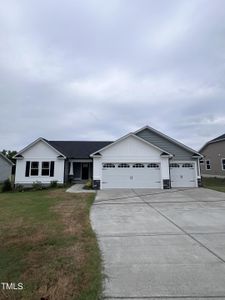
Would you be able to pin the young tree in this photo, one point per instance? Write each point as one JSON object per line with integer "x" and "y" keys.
{"x": 9, "y": 154}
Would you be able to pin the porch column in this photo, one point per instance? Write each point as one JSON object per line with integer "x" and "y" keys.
{"x": 71, "y": 169}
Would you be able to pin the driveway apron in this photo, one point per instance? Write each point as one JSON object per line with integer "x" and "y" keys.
{"x": 161, "y": 244}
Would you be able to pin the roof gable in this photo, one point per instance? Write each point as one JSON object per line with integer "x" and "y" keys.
{"x": 19, "y": 154}
{"x": 179, "y": 150}
{"x": 215, "y": 140}
{"x": 125, "y": 137}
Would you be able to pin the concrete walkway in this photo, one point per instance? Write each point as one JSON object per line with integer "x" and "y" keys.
{"x": 161, "y": 244}
{"x": 78, "y": 188}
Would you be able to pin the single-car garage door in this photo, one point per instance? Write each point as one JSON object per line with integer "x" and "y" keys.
{"x": 183, "y": 174}
{"x": 131, "y": 175}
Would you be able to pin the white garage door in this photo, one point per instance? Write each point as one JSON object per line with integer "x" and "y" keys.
{"x": 131, "y": 175}
{"x": 183, "y": 174}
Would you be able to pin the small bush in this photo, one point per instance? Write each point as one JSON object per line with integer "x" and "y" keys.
{"x": 54, "y": 184}
{"x": 7, "y": 186}
{"x": 37, "y": 185}
{"x": 88, "y": 185}
{"x": 19, "y": 188}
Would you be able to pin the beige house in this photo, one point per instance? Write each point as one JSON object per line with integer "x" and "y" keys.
{"x": 213, "y": 163}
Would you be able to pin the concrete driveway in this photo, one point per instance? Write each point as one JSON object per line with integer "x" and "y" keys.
{"x": 158, "y": 244}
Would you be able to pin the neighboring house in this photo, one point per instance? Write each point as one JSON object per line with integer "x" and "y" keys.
{"x": 5, "y": 168}
{"x": 213, "y": 163}
{"x": 146, "y": 158}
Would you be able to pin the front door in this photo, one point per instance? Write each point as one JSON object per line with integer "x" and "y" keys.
{"x": 85, "y": 171}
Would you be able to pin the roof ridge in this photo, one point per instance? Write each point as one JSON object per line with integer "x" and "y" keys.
{"x": 79, "y": 141}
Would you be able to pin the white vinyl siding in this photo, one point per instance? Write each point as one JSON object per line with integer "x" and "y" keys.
{"x": 39, "y": 152}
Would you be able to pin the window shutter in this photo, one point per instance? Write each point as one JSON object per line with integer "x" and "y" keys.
{"x": 27, "y": 171}
{"x": 52, "y": 167}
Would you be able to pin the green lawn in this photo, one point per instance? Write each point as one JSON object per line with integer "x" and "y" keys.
{"x": 46, "y": 242}
{"x": 217, "y": 184}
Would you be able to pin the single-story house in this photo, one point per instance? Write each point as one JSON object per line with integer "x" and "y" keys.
{"x": 5, "y": 168}
{"x": 213, "y": 163}
{"x": 146, "y": 158}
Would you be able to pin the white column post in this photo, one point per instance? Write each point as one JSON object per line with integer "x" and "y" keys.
{"x": 71, "y": 168}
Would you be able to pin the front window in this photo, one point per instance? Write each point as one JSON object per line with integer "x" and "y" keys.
{"x": 208, "y": 165}
{"x": 45, "y": 168}
{"x": 223, "y": 164}
{"x": 34, "y": 168}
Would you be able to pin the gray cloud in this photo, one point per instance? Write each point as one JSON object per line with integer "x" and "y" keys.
{"x": 98, "y": 69}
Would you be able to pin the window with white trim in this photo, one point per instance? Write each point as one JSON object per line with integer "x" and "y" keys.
{"x": 45, "y": 171}
{"x": 208, "y": 165}
{"x": 123, "y": 165}
{"x": 187, "y": 165}
{"x": 153, "y": 165}
{"x": 174, "y": 165}
{"x": 34, "y": 168}
{"x": 138, "y": 166}
{"x": 223, "y": 164}
{"x": 108, "y": 165}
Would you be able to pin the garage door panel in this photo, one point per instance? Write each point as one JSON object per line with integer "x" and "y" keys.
{"x": 183, "y": 174}
{"x": 132, "y": 177}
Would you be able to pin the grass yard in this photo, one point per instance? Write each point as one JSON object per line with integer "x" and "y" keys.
{"x": 46, "y": 243}
{"x": 217, "y": 184}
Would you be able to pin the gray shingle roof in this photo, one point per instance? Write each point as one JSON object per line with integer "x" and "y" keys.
{"x": 78, "y": 149}
{"x": 221, "y": 137}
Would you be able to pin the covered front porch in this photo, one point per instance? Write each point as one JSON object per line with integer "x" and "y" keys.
{"x": 80, "y": 169}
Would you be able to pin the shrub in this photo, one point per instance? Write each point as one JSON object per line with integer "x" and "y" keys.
{"x": 37, "y": 185}
{"x": 19, "y": 188}
{"x": 7, "y": 186}
{"x": 88, "y": 185}
{"x": 54, "y": 184}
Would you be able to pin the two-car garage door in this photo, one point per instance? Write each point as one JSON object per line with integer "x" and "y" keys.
{"x": 131, "y": 175}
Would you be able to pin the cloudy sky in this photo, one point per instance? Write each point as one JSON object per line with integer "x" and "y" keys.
{"x": 97, "y": 69}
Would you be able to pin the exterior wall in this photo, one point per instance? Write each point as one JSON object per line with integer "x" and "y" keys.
{"x": 5, "y": 169}
{"x": 161, "y": 142}
{"x": 130, "y": 150}
{"x": 214, "y": 152}
{"x": 39, "y": 152}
